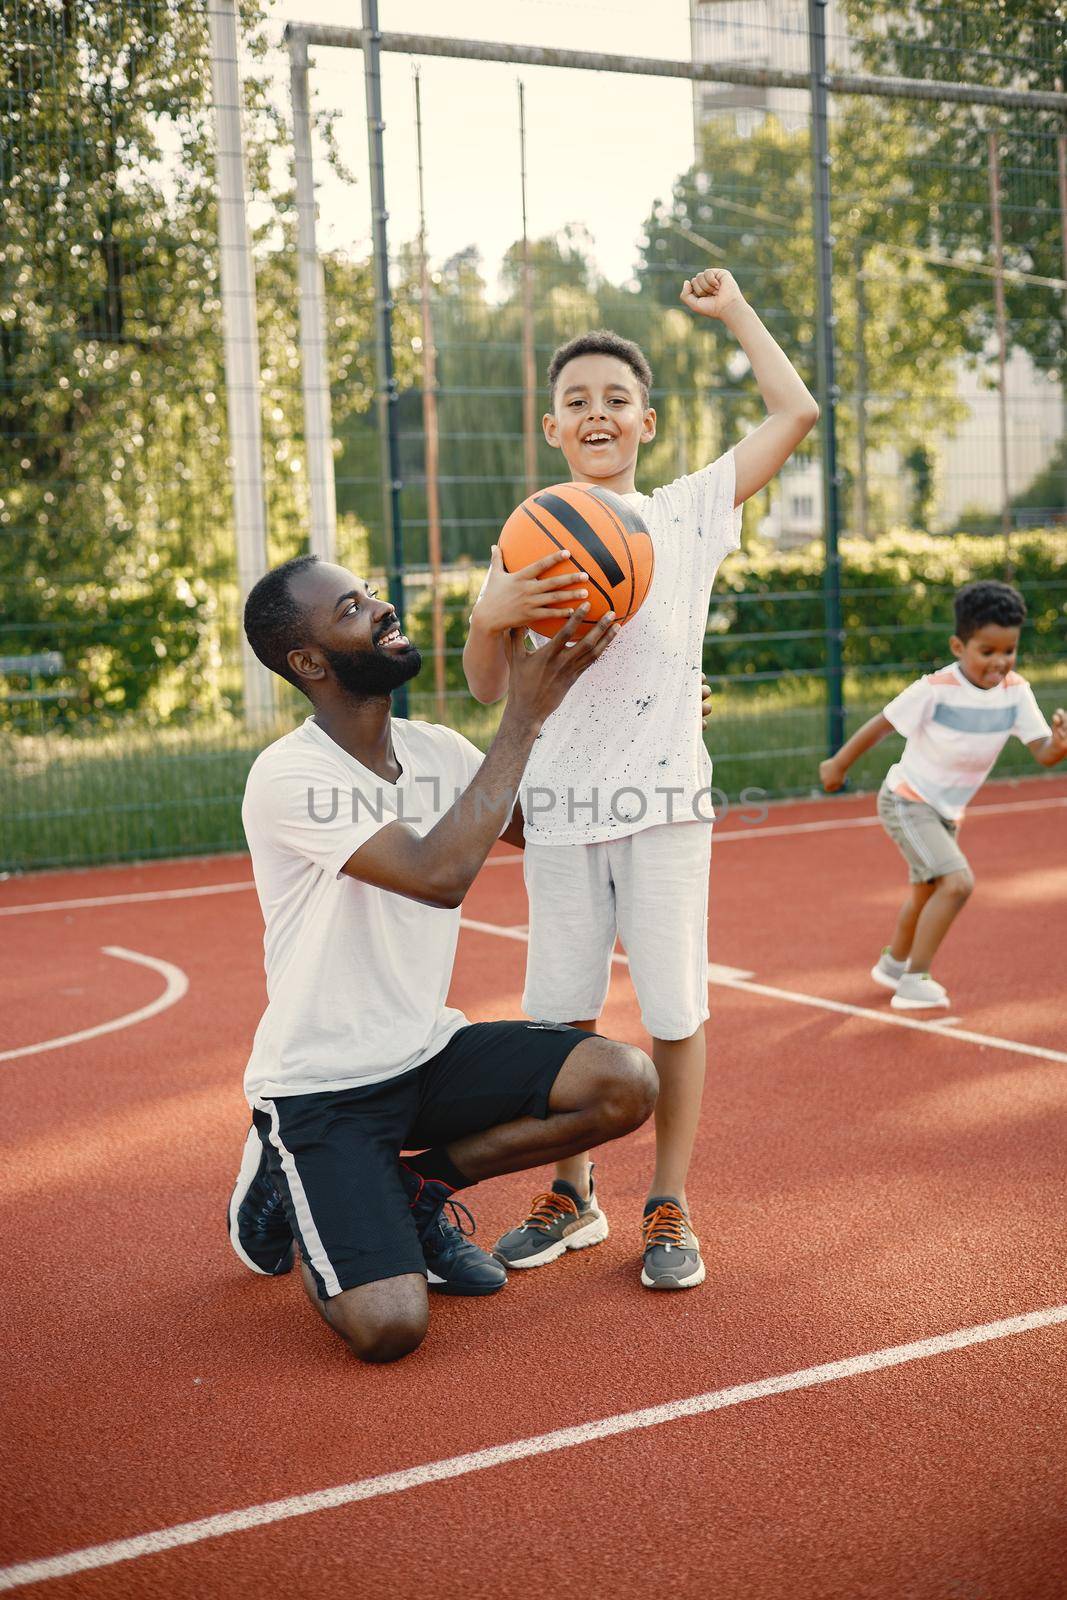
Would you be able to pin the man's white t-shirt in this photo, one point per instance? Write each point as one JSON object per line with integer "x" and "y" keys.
{"x": 955, "y": 732}
{"x": 628, "y": 732}
{"x": 357, "y": 977}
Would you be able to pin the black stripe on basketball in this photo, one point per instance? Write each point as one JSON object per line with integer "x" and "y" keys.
{"x": 586, "y": 536}
{"x": 628, "y": 515}
{"x": 601, "y": 498}
{"x": 608, "y": 601}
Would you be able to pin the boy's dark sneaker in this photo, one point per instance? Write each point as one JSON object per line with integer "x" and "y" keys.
{"x": 259, "y": 1229}
{"x": 672, "y": 1249}
{"x": 559, "y": 1220}
{"x": 453, "y": 1264}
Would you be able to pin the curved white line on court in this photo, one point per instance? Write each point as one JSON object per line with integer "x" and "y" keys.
{"x": 177, "y": 986}
{"x": 347, "y": 1494}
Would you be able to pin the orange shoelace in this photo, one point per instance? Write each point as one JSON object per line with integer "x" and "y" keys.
{"x": 548, "y": 1209}
{"x": 666, "y": 1225}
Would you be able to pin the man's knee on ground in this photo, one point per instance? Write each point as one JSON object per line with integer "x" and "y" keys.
{"x": 381, "y": 1322}
{"x": 388, "y": 1342}
{"x": 627, "y": 1085}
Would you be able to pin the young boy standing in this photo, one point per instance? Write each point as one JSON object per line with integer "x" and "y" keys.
{"x": 956, "y": 722}
{"x": 617, "y": 801}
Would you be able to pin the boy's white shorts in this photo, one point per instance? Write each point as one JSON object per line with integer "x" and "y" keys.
{"x": 651, "y": 889}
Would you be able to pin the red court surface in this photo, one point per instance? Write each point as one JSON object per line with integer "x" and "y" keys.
{"x": 861, "y": 1184}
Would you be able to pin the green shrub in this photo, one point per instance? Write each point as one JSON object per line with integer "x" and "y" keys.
{"x": 896, "y": 602}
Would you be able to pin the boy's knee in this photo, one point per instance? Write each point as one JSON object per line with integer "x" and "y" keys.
{"x": 958, "y": 885}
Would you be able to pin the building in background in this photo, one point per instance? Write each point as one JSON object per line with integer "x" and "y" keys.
{"x": 774, "y": 34}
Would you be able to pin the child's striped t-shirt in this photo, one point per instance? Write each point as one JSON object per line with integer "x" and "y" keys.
{"x": 955, "y": 732}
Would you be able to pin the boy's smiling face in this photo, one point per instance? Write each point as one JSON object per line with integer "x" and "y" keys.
{"x": 988, "y": 655}
{"x": 600, "y": 420}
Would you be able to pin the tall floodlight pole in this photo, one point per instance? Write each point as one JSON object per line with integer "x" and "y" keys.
{"x": 318, "y": 426}
{"x": 430, "y": 434}
{"x": 828, "y": 392}
{"x": 240, "y": 345}
{"x": 529, "y": 357}
{"x": 1002, "y": 347}
{"x": 388, "y": 429}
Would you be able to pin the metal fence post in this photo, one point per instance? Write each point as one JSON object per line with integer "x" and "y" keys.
{"x": 529, "y": 357}
{"x": 241, "y": 344}
{"x": 431, "y": 436}
{"x": 1061, "y": 173}
{"x": 1002, "y": 348}
{"x": 388, "y": 432}
{"x": 318, "y": 425}
{"x": 828, "y": 392}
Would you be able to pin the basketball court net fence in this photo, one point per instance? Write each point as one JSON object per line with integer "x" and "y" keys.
{"x": 240, "y": 321}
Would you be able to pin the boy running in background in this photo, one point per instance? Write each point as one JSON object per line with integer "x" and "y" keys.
{"x": 617, "y": 796}
{"x": 956, "y": 722}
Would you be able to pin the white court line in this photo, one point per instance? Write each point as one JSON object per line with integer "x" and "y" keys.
{"x": 734, "y": 978}
{"x": 728, "y": 977}
{"x": 177, "y": 986}
{"x": 895, "y": 1020}
{"x": 125, "y": 899}
{"x": 521, "y": 934}
{"x": 345, "y": 1494}
{"x": 756, "y": 830}
{"x": 514, "y": 858}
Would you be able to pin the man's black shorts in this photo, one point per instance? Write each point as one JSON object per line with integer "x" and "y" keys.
{"x": 334, "y": 1156}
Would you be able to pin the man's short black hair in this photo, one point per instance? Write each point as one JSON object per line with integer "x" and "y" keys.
{"x": 987, "y": 601}
{"x": 602, "y": 342}
{"x": 274, "y": 623}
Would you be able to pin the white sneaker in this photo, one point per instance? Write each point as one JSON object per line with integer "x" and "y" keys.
{"x": 917, "y": 991}
{"x": 887, "y": 971}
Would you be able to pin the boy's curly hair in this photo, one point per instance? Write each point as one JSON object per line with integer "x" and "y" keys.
{"x": 987, "y": 601}
{"x": 601, "y": 342}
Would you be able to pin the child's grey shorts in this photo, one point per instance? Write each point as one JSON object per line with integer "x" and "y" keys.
{"x": 925, "y": 838}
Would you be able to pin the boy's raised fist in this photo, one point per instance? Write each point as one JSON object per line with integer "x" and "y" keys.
{"x": 711, "y": 292}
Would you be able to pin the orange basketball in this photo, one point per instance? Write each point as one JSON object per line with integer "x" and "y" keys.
{"x": 607, "y": 539}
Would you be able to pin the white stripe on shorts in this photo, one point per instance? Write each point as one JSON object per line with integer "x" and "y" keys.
{"x": 911, "y": 835}
{"x": 308, "y": 1231}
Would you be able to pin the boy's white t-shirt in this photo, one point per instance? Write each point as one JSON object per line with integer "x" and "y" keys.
{"x": 357, "y": 977}
{"x": 955, "y": 732}
{"x": 628, "y": 732}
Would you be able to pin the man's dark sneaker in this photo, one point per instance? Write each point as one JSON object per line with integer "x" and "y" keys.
{"x": 672, "y": 1249}
{"x": 259, "y": 1229}
{"x": 453, "y": 1264}
{"x": 559, "y": 1220}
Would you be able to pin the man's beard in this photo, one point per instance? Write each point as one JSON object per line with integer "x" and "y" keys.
{"x": 368, "y": 673}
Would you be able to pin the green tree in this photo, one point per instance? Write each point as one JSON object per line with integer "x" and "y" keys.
{"x": 104, "y": 270}
{"x": 747, "y": 206}
{"x": 942, "y": 196}
{"x": 118, "y": 547}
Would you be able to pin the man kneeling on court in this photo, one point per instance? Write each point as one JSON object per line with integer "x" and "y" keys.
{"x": 366, "y": 833}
